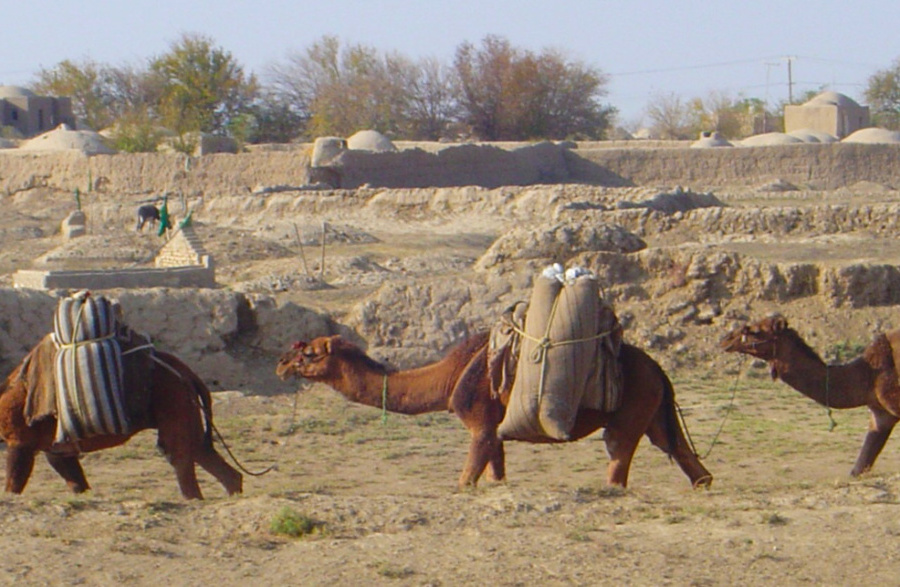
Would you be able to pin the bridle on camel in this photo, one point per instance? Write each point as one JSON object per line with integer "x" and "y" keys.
{"x": 832, "y": 423}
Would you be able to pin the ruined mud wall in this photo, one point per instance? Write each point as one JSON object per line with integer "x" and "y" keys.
{"x": 152, "y": 173}
{"x": 821, "y": 166}
{"x": 481, "y": 165}
{"x": 46, "y": 279}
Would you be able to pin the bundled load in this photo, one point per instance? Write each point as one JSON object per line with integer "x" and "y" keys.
{"x": 556, "y": 356}
{"x": 88, "y": 369}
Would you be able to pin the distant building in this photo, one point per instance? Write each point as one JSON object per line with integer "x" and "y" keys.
{"x": 829, "y": 112}
{"x": 31, "y": 114}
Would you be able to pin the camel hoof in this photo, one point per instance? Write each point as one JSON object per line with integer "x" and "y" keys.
{"x": 705, "y": 482}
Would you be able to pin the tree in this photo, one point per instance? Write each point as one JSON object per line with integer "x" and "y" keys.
{"x": 883, "y": 95}
{"x": 483, "y": 77}
{"x": 202, "y": 86}
{"x": 339, "y": 90}
{"x": 670, "y": 116}
{"x": 431, "y": 106}
{"x": 85, "y": 83}
{"x": 508, "y": 93}
{"x": 272, "y": 120}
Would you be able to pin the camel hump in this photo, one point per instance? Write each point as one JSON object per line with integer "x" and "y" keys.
{"x": 893, "y": 339}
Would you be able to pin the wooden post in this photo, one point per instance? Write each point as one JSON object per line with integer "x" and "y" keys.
{"x": 302, "y": 253}
{"x": 322, "y": 267}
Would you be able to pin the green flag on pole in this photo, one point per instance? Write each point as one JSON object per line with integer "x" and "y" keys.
{"x": 164, "y": 222}
{"x": 186, "y": 221}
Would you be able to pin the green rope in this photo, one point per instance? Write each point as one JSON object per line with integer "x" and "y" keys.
{"x": 728, "y": 411}
{"x": 832, "y": 424}
{"x": 384, "y": 400}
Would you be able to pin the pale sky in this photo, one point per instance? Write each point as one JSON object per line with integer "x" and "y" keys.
{"x": 689, "y": 48}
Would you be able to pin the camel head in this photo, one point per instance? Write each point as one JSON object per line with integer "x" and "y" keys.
{"x": 320, "y": 359}
{"x": 757, "y": 339}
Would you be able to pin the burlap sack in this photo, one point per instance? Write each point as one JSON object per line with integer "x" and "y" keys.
{"x": 605, "y": 393}
{"x": 557, "y": 360}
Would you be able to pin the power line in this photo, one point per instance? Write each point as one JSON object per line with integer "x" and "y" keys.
{"x": 692, "y": 67}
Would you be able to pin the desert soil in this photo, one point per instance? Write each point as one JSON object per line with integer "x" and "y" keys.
{"x": 379, "y": 498}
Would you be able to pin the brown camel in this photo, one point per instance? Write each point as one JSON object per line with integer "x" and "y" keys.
{"x": 869, "y": 380}
{"x": 460, "y": 383}
{"x": 177, "y": 396}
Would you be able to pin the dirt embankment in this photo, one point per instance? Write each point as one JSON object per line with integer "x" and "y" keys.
{"x": 410, "y": 272}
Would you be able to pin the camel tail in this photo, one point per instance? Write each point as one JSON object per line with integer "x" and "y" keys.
{"x": 205, "y": 398}
{"x": 670, "y": 414}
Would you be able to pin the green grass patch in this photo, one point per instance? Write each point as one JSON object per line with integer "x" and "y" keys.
{"x": 290, "y": 522}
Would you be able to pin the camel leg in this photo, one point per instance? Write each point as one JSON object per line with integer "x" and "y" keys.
{"x": 482, "y": 449}
{"x": 497, "y": 464}
{"x": 620, "y": 446}
{"x": 216, "y": 466}
{"x": 681, "y": 452}
{"x": 881, "y": 424}
{"x": 69, "y": 468}
{"x": 19, "y": 464}
{"x": 183, "y": 463}
{"x": 187, "y": 477}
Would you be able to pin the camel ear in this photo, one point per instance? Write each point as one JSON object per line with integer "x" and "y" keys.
{"x": 779, "y": 323}
{"x": 332, "y": 343}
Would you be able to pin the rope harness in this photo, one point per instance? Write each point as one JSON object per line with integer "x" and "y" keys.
{"x": 544, "y": 344}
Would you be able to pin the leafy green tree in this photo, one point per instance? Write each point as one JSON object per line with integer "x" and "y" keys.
{"x": 135, "y": 132}
{"x": 883, "y": 95}
{"x": 202, "y": 86}
{"x": 275, "y": 120}
{"x": 85, "y": 83}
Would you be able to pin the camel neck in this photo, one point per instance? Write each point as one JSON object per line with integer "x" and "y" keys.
{"x": 835, "y": 386}
{"x": 414, "y": 391}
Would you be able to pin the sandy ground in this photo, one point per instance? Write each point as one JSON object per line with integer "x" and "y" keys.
{"x": 381, "y": 502}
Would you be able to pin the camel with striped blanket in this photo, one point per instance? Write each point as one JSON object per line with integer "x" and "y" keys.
{"x": 178, "y": 406}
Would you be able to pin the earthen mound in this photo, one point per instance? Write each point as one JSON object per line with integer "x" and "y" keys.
{"x": 677, "y": 201}
{"x": 370, "y": 140}
{"x": 873, "y": 136}
{"x": 770, "y": 139}
{"x": 558, "y": 243}
{"x": 62, "y": 138}
{"x": 813, "y": 136}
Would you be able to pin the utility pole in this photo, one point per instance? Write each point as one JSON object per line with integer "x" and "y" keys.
{"x": 790, "y": 61}
{"x": 769, "y": 65}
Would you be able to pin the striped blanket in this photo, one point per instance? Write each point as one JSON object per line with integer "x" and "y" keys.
{"x": 88, "y": 369}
